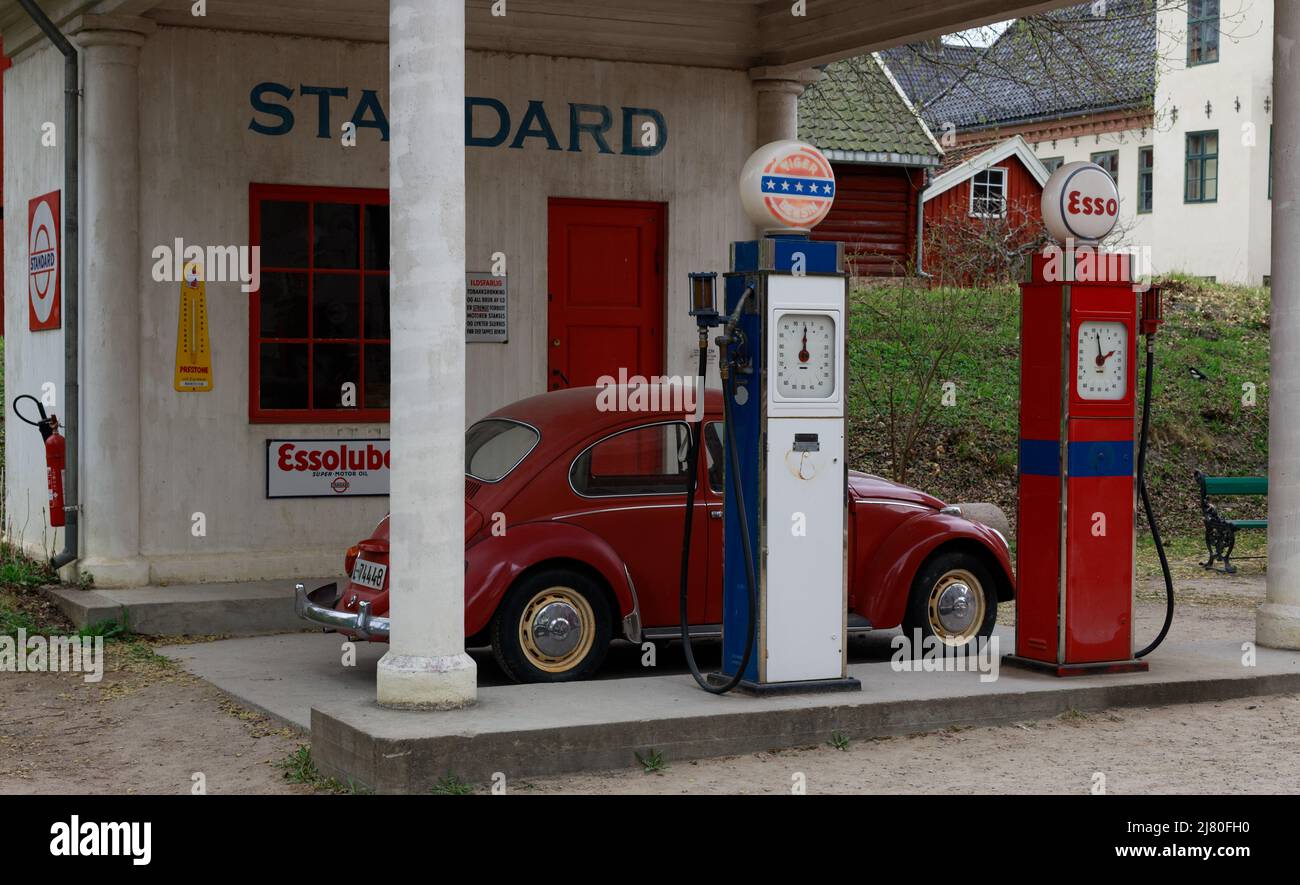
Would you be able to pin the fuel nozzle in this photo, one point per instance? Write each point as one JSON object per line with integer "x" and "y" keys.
{"x": 1152, "y": 311}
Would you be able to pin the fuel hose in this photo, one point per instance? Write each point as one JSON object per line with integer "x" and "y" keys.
{"x": 729, "y": 443}
{"x": 1146, "y": 504}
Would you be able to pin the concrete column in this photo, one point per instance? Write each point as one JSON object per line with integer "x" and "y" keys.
{"x": 777, "y": 92}
{"x": 1277, "y": 623}
{"x": 110, "y": 299}
{"x": 426, "y": 666}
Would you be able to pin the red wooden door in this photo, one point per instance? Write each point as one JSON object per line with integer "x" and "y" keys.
{"x": 605, "y": 306}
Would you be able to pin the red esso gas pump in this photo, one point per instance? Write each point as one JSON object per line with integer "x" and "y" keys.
{"x": 1081, "y": 455}
{"x": 56, "y": 456}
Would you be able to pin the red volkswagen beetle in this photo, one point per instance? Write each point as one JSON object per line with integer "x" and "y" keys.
{"x": 573, "y": 531}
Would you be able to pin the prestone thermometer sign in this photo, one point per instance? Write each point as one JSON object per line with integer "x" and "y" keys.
{"x": 193, "y": 353}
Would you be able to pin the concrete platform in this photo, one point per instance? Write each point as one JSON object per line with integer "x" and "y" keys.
{"x": 247, "y": 607}
{"x": 533, "y": 730}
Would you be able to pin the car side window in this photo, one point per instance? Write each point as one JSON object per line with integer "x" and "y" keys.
{"x": 650, "y": 460}
{"x": 713, "y": 454}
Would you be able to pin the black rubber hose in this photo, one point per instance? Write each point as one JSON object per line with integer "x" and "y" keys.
{"x": 734, "y": 472}
{"x": 1146, "y": 505}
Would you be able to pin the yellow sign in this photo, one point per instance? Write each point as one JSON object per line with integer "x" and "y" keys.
{"x": 193, "y": 355}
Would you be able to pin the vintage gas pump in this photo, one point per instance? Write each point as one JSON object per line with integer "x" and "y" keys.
{"x": 1079, "y": 477}
{"x": 782, "y": 361}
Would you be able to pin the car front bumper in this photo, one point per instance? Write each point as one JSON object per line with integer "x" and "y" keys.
{"x": 318, "y": 607}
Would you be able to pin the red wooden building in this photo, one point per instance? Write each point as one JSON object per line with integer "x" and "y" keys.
{"x": 982, "y": 213}
{"x": 881, "y": 151}
{"x": 987, "y": 181}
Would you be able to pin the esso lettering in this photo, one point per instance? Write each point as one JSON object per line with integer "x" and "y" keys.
{"x": 1081, "y": 205}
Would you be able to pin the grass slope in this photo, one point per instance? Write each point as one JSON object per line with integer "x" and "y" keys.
{"x": 969, "y": 452}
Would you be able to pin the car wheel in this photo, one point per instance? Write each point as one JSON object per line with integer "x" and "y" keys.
{"x": 953, "y": 599}
{"x": 554, "y": 626}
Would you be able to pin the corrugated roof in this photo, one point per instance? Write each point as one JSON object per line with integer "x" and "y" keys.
{"x": 856, "y": 113}
{"x": 1061, "y": 63}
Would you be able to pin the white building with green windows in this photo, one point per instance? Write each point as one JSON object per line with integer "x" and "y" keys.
{"x": 1174, "y": 99}
{"x": 1212, "y": 186}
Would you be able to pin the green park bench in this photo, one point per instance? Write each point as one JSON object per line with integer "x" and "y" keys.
{"x": 1221, "y": 533}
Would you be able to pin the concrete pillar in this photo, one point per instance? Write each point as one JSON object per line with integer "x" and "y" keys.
{"x": 1277, "y": 623}
{"x": 426, "y": 666}
{"x": 110, "y": 299}
{"x": 777, "y": 92}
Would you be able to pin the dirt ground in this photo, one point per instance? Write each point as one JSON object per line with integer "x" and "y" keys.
{"x": 1250, "y": 745}
{"x": 148, "y": 727}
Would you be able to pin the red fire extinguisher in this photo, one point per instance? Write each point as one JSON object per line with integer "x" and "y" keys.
{"x": 56, "y": 456}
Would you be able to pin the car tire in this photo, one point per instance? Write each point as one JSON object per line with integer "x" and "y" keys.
{"x": 953, "y": 598}
{"x": 575, "y": 609}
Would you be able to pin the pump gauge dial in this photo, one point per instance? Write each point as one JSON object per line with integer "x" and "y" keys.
{"x": 1102, "y": 360}
{"x": 805, "y": 356}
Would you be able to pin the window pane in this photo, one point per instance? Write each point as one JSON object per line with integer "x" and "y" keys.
{"x": 334, "y": 365}
{"x": 494, "y": 447}
{"x": 376, "y": 237}
{"x": 713, "y": 453}
{"x": 377, "y": 307}
{"x": 377, "y": 358}
{"x": 338, "y": 234}
{"x": 283, "y": 382}
{"x": 283, "y": 305}
{"x": 646, "y": 461}
{"x": 1211, "y": 143}
{"x": 1211, "y": 189}
{"x": 284, "y": 234}
{"x": 336, "y": 305}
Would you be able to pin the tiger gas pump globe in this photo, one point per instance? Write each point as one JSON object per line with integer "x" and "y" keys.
{"x": 1078, "y": 478}
{"x": 784, "y": 316}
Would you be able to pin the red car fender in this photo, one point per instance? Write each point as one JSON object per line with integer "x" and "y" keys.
{"x": 496, "y": 562}
{"x": 886, "y": 582}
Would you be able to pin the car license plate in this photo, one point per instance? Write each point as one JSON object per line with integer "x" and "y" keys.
{"x": 369, "y": 574}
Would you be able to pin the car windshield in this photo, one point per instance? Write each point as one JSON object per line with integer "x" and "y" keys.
{"x": 495, "y": 447}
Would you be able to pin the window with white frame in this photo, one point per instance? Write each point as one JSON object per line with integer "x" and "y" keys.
{"x": 988, "y": 193}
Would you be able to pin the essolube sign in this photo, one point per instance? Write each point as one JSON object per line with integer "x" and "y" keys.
{"x": 489, "y": 122}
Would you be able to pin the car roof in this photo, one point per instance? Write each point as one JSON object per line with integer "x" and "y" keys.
{"x": 566, "y": 416}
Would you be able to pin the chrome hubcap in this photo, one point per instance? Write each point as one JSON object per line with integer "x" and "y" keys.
{"x": 557, "y": 629}
{"x": 957, "y": 607}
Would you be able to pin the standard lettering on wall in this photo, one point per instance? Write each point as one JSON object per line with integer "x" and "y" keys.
{"x": 489, "y": 122}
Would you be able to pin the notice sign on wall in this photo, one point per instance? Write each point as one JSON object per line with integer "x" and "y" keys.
{"x": 44, "y": 262}
{"x": 326, "y": 468}
{"x": 485, "y": 308}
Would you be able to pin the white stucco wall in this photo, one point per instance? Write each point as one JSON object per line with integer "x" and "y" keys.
{"x": 198, "y": 157}
{"x": 1137, "y": 227}
{"x": 1227, "y": 239}
{"x": 33, "y": 96}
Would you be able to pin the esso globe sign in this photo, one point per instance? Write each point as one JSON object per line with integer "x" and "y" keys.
{"x": 787, "y": 187}
{"x": 1080, "y": 202}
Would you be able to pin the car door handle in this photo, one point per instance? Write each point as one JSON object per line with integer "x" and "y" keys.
{"x": 715, "y": 514}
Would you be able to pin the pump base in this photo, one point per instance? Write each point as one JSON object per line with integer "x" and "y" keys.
{"x": 809, "y": 686}
{"x": 1130, "y": 666}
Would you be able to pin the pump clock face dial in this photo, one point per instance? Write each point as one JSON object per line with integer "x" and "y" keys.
{"x": 1102, "y": 351}
{"x": 805, "y": 356}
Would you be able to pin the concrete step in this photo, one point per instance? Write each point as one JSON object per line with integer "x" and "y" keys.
{"x": 235, "y": 609}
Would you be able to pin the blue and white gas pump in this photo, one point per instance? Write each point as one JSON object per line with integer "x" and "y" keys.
{"x": 785, "y": 574}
